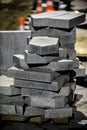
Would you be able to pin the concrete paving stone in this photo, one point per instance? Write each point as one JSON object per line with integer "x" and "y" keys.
{"x": 76, "y": 62}
{"x": 59, "y": 65}
{"x": 10, "y": 99}
{"x": 52, "y": 32}
{"x": 60, "y": 19}
{"x": 19, "y": 108}
{"x": 7, "y": 109}
{"x": 9, "y": 90}
{"x": 36, "y": 74}
{"x": 80, "y": 72}
{"x": 65, "y": 90}
{"x": 58, "y": 113}
{"x": 69, "y": 45}
{"x": 43, "y": 102}
{"x": 32, "y": 111}
{"x": 62, "y": 52}
{"x": 54, "y": 86}
{"x": 19, "y": 61}
{"x": 71, "y": 54}
{"x": 43, "y": 45}
{"x": 41, "y": 20}
{"x": 32, "y": 58}
{"x": 37, "y": 93}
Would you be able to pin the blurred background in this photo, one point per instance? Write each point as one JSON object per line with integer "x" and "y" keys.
{"x": 12, "y": 10}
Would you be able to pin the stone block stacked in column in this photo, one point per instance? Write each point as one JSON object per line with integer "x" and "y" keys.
{"x": 46, "y": 73}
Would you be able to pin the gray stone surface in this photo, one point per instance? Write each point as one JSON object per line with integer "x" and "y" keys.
{"x": 43, "y": 45}
{"x": 11, "y": 42}
{"x": 58, "y": 113}
{"x": 62, "y": 52}
{"x": 65, "y": 90}
{"x": 37, "y": 93}
{"x": 19, "y": 61}
{"x": 9, "y": 91}
{"x": 54, "y": 86}
{"x": 59, "y": 65}
{"x": 55, "y": 102}
{"x": 41, "y": 20}
{"x": 33, "y": 74}
{"x": 7, "y": 109}
{"x": 80, "y": 72}
{"x": 32, "y": 58}
{"x": 32, "y": 111}
{"x": 69, "y": 45}
{"x": 65, "y": 35}
{"x": 76, "y": 62}
{"x": 10, "y": 99}
{"x": 71, "y": 54}
{"x": 59, "y": 19}
{"x": 19, "y": 108}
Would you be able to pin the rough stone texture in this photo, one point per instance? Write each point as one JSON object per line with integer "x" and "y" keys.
{"x": 37, "y": 93}
{"x": 32, "y": 58}
{"x": 11, "y": 42}
{"x": 19, "y": 108}
{"x": 71, "y": 54}
{"x": 70, "y": 45}
{"x": 66, "y": 90}
{"x": 19, "y": 61}
{"x": 76, "y": 62}
{"x": 65, "y": 35}
{"x": 62, "y": 53}
{"x": 54, "y": 86}
{"x": 80, "y": 72}
{"x": 55, "y": 102}
{"x": 59, "y": 19}
{"x": 43, "y": 45}
{"x": 43, "y": 18}
{"x": 7, "y": 109}
{"x": 9, "y": 90}
{"x": 10, "y": 99}
{"x": 59, "y": 65}
{"x": 32, "y": 111}
{"x": 33, "y": 74}
{"x": 58, "y": 113}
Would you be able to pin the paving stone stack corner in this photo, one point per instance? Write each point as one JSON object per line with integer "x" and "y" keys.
{"x": 46, "y": 74}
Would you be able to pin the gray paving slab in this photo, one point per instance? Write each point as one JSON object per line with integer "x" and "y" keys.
{"x": 9, "y": 90}
{"x": 58, "y": 113}
{"x": 43, "y": 45}
{"x": 54, "y": 102}
{"x": 10, "y": 99}
{"x": 33, "y": 74}
{"x": 76, "y": 62}
{"x": 60, "y": 19}
{"x": 19, "y": 61}
{"x": 41, "y": 20}
{"x": 71, "y": 54}
{"x": 37, "y": 93}
{"x": 20, "y": 108}
{"x": 52, "y": 32}
{"x": 80, "y": 72}
{"x": 65, "y": 90}
{"x": 7, "y": 109}
{"x": 59, "y": 65}
{"x": 32, "y": 111}
{"x": 62, "y": 52}
{"x": 11, "y": 42}
{"x": 54, "y": 86}
{"x": 69, "y": 45}
{"x": 32, "y": 58}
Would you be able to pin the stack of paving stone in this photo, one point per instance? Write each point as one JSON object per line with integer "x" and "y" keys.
{"x": 46, "y": 73}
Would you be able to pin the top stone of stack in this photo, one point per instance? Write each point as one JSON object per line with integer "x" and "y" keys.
{"x": 57, "y": 19}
